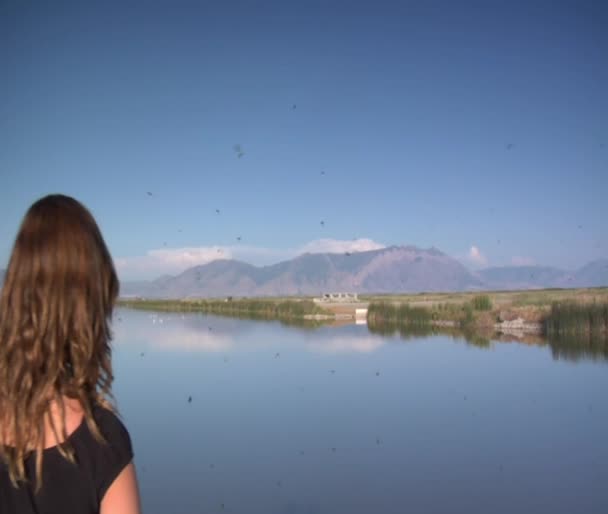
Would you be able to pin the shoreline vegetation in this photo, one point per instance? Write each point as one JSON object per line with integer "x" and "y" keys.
{"x": 300, "y": 312}
{"x": 564, "y": 314}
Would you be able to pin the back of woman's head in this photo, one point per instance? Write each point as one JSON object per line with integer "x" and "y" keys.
{"x": 55, "y": 309}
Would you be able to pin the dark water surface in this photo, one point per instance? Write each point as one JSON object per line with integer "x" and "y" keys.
{"x": 339, "y": 420}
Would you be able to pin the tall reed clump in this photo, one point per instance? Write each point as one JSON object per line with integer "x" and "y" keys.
{"x": 481, "y": 302}
{"x": 401, "y": 314}
{"x": 567, "y": 318}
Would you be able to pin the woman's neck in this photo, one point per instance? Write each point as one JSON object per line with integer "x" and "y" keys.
{"x": 72, "y": 417}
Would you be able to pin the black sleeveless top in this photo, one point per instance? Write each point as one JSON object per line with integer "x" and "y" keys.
{"x": 72, "y": 488}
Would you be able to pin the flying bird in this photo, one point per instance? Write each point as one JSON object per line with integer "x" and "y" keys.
{"x": 217, "y": 211}
{"x": 293, "y": 107}
{"x": 510, "y": 146}
{"x": 149, "y": 194}
{"x": 322, "y": 223}
{"x": 238, "y": 149}
{"x": 238, "y": 238}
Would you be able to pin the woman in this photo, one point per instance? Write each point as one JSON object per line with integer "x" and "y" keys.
{"x": 62, "y": 447}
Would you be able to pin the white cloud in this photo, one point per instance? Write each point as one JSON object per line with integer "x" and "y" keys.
{"x": 339, "y": 246}
{"x": 522, "y": 261}
{"x": 168, "y": 261}
{"x": 175, "y": 260}
{"x": 476, "y": 257}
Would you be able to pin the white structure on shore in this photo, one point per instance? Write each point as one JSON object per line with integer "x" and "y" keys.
{"x": 338, "y": 298}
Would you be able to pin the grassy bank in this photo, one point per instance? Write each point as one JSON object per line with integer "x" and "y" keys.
{"x": 579, "y": 314}
{"x": 475, "y": 312}
{"x": 540, "y": 298}
{"x": 270, "y": 309}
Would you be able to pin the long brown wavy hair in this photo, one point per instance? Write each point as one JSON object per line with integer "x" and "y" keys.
{"x": 55, "y": 313}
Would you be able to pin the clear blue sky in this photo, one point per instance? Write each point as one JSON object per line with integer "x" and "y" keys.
{"x": 440, "y": 125}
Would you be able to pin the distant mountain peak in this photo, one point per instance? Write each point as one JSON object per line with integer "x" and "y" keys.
{"x": 393, "y": 269}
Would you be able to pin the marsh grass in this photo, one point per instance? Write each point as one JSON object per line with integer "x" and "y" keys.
{"x": 398, "y": 314}
{"x": 288, "y": 310}
{"x": 568, "y": 318}
{"x": 481, "y": 302}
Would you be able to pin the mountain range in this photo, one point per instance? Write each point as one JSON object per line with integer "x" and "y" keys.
{"x": 396, "y": 269}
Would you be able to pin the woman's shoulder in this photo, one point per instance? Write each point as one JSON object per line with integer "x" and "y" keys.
{"x": 111, "y": 427}
{"x": 114, "y": 453}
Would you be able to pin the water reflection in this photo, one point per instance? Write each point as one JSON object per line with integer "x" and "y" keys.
{"x": 579, "y": 347}
{"x": 172, "y": 332}
{"x": 344, "y": 419}
{"x": 194, "y": 332}
{"x": 573, "y": 347}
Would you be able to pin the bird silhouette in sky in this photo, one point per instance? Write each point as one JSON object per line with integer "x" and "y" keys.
{"x": 238, "y": 238}
{"x": 323, "y": 172}
{"x": 217, "y": 211}
{"x": 510, "y": 146}
{"x": 238, "y": 149}
{"x": 293, "y": 107}
{"x": 149, "y": 193}
{"x": 322, "y": 223}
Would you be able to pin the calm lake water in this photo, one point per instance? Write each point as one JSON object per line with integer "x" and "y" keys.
{"x": 339, "y": 420}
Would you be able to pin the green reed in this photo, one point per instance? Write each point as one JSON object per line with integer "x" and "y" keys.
{"x": 403, "y": 314}
{"x": 481, "y": 302}
{"x": 263, "y": 309}
{"x": 577, "y": 318}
